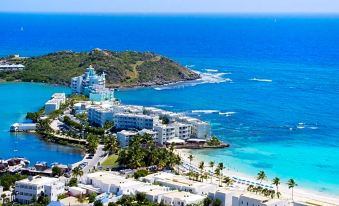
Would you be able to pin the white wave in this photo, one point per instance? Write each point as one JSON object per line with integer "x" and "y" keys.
{"x": 163, "y": 105}
{"x": 313, "y": 127}
{"x": 207, "y": 111}
{"x": 205, "y": 78}
{"x": 227, "y": 114}
{"x": 190, "y": 66}
{"x": 301, "y": 125}
{"x": 211, "y": 70}
{"x": 261, "y": 80}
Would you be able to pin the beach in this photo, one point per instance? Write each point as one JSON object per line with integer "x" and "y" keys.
{"x": 301, "y": 194}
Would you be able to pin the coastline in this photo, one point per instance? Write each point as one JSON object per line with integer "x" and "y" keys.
{"x": 301, "y": 194}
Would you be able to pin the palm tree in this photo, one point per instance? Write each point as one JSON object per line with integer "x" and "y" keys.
{"x": 221, "y": 167}
{"x": 212, "y": 166}
{"x": 228, "y": 181}
{"x": 201, "y": 167}
{"x": 261, "y": 176}
{"x": 77, "y": 172}
{"x": 291, "y": 184}
{"x": 217, "y": 173}
{"x": 276, "y": 182}
{"x": 111, "y": 145}
{"x": 190, "y": 157}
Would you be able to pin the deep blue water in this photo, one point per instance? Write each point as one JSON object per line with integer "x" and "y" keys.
{"x": 296, "y": 56}
{"x": 16, "y": 100}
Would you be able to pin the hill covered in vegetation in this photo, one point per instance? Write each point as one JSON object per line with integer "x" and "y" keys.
{"x": 123, "y": 69}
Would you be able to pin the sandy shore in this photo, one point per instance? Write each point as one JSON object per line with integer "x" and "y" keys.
{"x": 300, "y": 194}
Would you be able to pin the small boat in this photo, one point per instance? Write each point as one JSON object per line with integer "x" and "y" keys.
{"x": 301, "y": 125}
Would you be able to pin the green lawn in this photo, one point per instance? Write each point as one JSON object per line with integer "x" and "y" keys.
{"x": 111, "y": 161}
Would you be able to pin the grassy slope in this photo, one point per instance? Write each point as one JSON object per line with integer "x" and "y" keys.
{"x": 122, "y": 68}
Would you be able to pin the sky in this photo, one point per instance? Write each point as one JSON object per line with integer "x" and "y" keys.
{"x": 171, "y": 6}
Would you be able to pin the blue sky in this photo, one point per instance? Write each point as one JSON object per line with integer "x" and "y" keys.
{"x": 172, "y": 6}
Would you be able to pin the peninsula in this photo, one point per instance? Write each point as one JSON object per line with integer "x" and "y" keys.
{"x": 122, "y": 69}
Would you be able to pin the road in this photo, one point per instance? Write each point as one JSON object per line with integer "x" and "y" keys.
{"x": 99, "y": 156}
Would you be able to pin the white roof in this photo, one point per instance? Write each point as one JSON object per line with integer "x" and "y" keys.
{"x": 175, "y": 140}
{"x": 38, "y": 180}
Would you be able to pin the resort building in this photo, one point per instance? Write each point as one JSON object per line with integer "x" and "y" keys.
{"x": 22, "y": 127}
{"x": 183, "y": 131}
{"x": 98, "y": 115}
{"x": 177, "y": 198}
{"x": 32, "y": 187}
{"x": 11, "y": 67}
{"x": 133, "y": 121}
{"x": 92, "y": 85}
{"x": 125, "y": 136}
{"x": 54, "y": 103}
{"x": 181, "y": 183}
{"x": 243, "y": 198}
{"x": 165, "y": 132}
{"x": 200, "y": 129}
{"x": 99, "y": 93}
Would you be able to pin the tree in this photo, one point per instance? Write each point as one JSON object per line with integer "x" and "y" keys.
{"x": 276, "y": 182}
{"x": 140, "y": 173}
{"x": 201, "y": 167}
{"x": 216, "y": 202}
{"x": 108, "y": 125}
{"x": 228, "y": 181}
{"x": 97, "y": 203}
{"x": 261, "y": 176}
{"x": 212, "y": 167}
{"x": 93, "y": 142}
{"x": 73, "y": 182}
{"x": 92, "y": 196}
{"x": 291, "y": 184}
{"x": 141, "y": 197}
{"x": 77, "y": 172}
{"x": 56, "y": 171}
{"x": 190, "y": 157}
{"x": 221, "y": 168}
{"x": 207, "y": 201}
{"x": 111, "y": 144}
{"x": 217, "y": 173}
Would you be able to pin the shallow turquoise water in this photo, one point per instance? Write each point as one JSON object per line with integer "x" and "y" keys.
{"x": 16, "y": 100}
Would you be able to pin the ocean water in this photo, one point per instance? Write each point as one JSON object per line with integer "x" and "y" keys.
{"x": 270, "y": 83}
{"x": 16, "y": 100}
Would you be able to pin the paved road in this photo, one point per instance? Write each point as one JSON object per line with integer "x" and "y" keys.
{"x": 99, "y": 156}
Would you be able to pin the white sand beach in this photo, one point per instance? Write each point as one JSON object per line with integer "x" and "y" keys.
{"x": 301, "y": 194}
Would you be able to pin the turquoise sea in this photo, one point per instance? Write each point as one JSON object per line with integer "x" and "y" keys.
{"x": 16, "y": 100}
{"x": 270, "y": 83}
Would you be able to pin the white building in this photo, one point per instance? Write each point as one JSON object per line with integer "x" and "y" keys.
{"x": 183, "y": 131}
{"x": 99, "y": 115}
{"x": 200, "y": 129}
{"x": 181, "y": 183}
{"x": 239, "y": 198}
{"x": 11, "y": 67}
{"x": 23, "y": 127}
{"x": 133, "y": 121}
{"x": 52, "y": 105}
{"x": 55, "y": 102}
{"x": 125, "y": 136}
{"x": 31, "y": 187}
{"x": 112, "y": 183}
{"x": 81, "y": 84}
{"x": 177, "y": 198}
{"x": 60, "y": 96}
{"x": 165, "y": 132}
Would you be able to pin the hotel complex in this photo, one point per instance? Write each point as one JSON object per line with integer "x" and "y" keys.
{"x": 163, "y": 126}
{"x": 92, "y": 85}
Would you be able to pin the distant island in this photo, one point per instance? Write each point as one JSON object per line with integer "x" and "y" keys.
{"x": 123, "y": 69}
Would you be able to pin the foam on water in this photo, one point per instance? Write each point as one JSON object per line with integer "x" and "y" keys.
{"x": 261, "y": 80}
{"x": 207, "y": 111}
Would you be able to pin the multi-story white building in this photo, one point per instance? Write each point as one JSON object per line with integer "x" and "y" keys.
{"x": 177, "y": 198}
{"x": 125, "y": 136}
{"x": 200, "y": 129}
{"x": 60, "y": 96}
{"x": 32, "y": 187}
{"x": 54, "y": 103}
{"x": 81, "y": 84}
{"x": 165, "y": 132}
{"x": 99, "y": 115}
{"x": 100, "y": 93}
{"x": 183, "y": 131}
{"x": 133, "y": 121}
